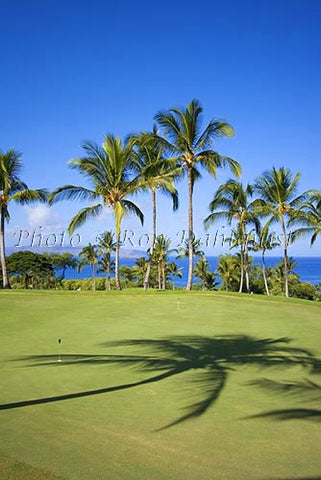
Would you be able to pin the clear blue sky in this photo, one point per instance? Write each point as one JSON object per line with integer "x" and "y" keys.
{"x": 75, "y": 70}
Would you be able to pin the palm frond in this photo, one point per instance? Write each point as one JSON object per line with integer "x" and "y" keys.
{"x": 72, "y": 192}
{"x": 132, "y": 208}
{"x": 27, "y": 196}
{"x": 213, "y": 217}
{"x": 213, "y": 130}
{"x": 83, "y": 215}
{"x": 210, "y": 384}
{"x": 173, "y": 193}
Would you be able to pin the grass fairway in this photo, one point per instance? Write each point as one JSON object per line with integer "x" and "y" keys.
{"x": 95, "y": 416}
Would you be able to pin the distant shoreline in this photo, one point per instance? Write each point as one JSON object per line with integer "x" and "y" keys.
{"x": 308, "y": 268}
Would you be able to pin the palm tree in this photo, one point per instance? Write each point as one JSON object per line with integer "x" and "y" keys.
{"x": 89, "y": 256}
{"x": 197, "y": 252}
{"x": 160, "y": 256}
{"x": 267, "y": 241}
{"x": 278, "y": 275}
{"x": 141, "y": 266}
{"x": 157, "y": 174}
{"x": 192, "y": 147}
{"x": 175, "y": 271}
{"x": 278, "y": 201}
{"x": 202, "y": 271}
{"x": 308, "y": 217}
{"x": 228, "y": 269}
{"x": 236, "y": 240}
{"x": 12, "y": 189}
{"x": 107, "y": 267}
{"x": 232, "y": 202}
{"x": 110, "y": 170}
{"x": 107, "y": 246}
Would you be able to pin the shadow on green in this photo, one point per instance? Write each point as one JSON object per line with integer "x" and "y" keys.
{"x": 306, "y": 390}
{"x": 210, "y": 359}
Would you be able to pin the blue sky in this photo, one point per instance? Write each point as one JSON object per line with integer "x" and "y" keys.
{"x": 75, "y": 70}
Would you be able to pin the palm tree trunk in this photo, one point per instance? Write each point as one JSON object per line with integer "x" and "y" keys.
{"x": 242, "y": 270}
{"x": 108, "y": 278}
{"x": 151, "y": 250}
{"x": 246, "y": 259}
{"x": 190, "y": 230}
{"x": 5, "y": 279}
{"x": 264, "y": 274}
{"x": 118, "y": 286}
{"x": 159, "y": 277}
{"x": 246, "y": 265}
{"x": 285, "y": 259}
{"x": 163, "y": 277}
{"x": 93, "y": 276}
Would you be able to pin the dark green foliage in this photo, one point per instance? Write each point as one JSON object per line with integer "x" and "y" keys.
{"x": 60, "y": 262}
{"x": 228, "y": 269}
{"x": 86, "y": 284}
{"x": 32, "y": 270}
{"x": 303, "y": 290}
{"x": 128, "y": 274}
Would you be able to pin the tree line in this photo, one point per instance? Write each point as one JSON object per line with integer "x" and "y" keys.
{"x": 153, "y": 161}
{"x": 32, "y": 270}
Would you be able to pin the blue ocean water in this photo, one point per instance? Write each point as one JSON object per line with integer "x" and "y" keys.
{"x": 308, "y": 268}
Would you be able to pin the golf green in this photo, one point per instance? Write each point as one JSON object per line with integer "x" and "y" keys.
{"x": 159, "y": 385}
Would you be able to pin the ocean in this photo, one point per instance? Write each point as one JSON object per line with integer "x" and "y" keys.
{"x": 308, "y": 268}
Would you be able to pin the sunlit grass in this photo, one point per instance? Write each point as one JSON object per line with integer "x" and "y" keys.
{"x": 118, "y": 434}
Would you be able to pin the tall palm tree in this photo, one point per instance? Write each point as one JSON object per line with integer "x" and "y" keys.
{"x": 107, "y": 246}
{"x": 267, "y": 241}
{"x": 191, "y": 147}
{"x": 12, "y": 189}
{"x": 277, "y": 190}
{"x": 157, "y": 174}
{"x": 308, "y": 218}
{"x": 109, "y": 168}
{"x": 232, "y": 202}
{"x": 89, "y": 256}
{"x": 160, "y": 256}
{"x": 236, "y": 240}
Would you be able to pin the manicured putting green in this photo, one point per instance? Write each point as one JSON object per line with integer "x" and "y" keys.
{"x": 227, "y": 397}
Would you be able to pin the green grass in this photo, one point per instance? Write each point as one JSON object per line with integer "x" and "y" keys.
{"x": 119, "y": 434}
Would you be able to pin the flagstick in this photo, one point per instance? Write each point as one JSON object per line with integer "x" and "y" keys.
{"x": 59, "y": 349}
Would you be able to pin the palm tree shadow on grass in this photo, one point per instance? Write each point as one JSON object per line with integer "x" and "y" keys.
{"x": 303, "y": 390}
{"x": 210, "y": 359}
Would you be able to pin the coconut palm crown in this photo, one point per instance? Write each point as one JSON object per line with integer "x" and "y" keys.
{"x": 109, "y": 169}
{"x": 193, "y": 147}
{"x": 13, "y": 189}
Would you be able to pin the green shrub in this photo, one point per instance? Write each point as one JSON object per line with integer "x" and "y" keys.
{"x": 304, "y": 290}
